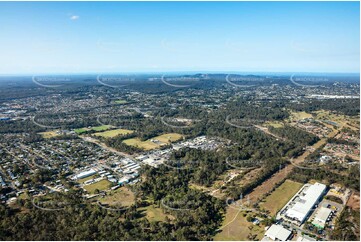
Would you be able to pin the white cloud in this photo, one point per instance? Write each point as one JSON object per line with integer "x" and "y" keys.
{"x": 74, "y": 17}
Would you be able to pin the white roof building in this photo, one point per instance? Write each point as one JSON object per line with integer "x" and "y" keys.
{"x": 85, "y": 174}
{"x": 277, "y": 232}
{"x": 305, "y": 202}
{"x": 321, "y": 217}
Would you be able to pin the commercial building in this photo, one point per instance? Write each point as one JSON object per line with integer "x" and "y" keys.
{"x": 277, "y": 232}
{"x": 302, "y": 204}
{"x": 321, "y": 217}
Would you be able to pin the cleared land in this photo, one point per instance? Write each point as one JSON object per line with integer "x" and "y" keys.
{"x": 275, "y": 124}
{"x": 279, "y": 197}
{"x": 235, "y": 227}
{"x": 123, "y": 195}
{"x": 155, "y": 214}
{"x": 113, "y": 133}
{"x": 49, "y": 134}
{"x": 154, "y": 142}
{"x": 167, "y": 138}
{"x": 100, "y": 185}
{"x": 146, "y": 145}
{"x": 300, "y": 115}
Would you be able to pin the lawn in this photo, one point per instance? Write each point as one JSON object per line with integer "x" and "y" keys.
{"x": 113, "y": 133}
{"x": 122, "y": 195}
{"x": 235, "y": 227}
{"x": 279, "y": 197}
{"x": 100, "y": 185}
{"x": 149, "y": 145}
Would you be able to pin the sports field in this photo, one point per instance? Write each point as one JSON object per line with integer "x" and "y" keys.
{"x": 113, "y": 133}
{"x": 100, "y": 185}
{"x": 279, "y": 197}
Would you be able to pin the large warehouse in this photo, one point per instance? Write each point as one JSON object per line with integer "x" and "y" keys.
{"x": 303, "y": 204}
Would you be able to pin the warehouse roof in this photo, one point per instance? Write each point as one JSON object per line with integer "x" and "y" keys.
{"x": 306, "y": 201}
{"x": 278, "y": 232}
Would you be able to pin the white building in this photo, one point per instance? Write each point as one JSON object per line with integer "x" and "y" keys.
{"x": 305, "y": 201}
{"x": 85, "y": 174}
{"x": 321, "y": 217}
{"x": 277, "y": 232}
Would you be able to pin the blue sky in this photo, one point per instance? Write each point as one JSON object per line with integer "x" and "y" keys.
{"x": 77, "y": 37}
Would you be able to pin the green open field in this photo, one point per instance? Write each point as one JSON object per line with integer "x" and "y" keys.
{"x": 100, "y": 185}
{"x": 149, "y": 145}
{"x": 170, "y": 137}
{"x": 122, "y": 195}
{"x": 97, "y": 128}
{"x": 81, "y": 130}
{"x": 279, "y": 197}
{"x": 121, "y": 101}
{"x": 113, "y": 133}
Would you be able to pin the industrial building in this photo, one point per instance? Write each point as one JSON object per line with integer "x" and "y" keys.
{"x": 321, "y": 217}
{"x": 302, "y": 204}
{"x": 277, "y": 232}
{"x": 85, "y": 174}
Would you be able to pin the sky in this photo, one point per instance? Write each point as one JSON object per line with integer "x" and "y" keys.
{"x": 103, "y": 37}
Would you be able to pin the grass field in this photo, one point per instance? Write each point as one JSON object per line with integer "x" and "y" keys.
{"x": 121, "y": 101}
{"x": 121, "y": 195}
{"x": 300, "y": 115}
{"x": 100, "y": 185}
{"x": 102, "y": 128}
{"x": 170, "y": 137}
{"x": 146, "y": 145}
{"x": 97, "y": 128}
{"x": 274, "y": 124}
{"x": 81, "y": 130}
{"x": 113, "y": 133}
{"x": 49, "y": 134}
{"x": 237, "y": 228}
{"x": 149, "y": 145}
{"x": 279, "y": 197}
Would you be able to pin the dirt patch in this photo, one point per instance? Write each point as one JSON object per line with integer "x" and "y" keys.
{"x": 354, "y": 201}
